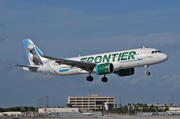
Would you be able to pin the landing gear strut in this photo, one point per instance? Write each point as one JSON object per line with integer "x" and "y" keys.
{"x": 147, "y": 72}
{"x": 104, "y": 79}
{"x": 89, "y": 78}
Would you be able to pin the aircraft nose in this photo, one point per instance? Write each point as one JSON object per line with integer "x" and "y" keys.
{"x": 164, "y": 57}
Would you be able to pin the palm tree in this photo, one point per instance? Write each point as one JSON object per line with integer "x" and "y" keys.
{"x": 69, "y": 105}
{"x": 129, "y": 107}
{"x": 133, "y": 105}
{"x": 138, "y": 104}
{"x": 136, "y": 107}
{"x": 141, "y": 106}
{"x": 120, "y": 105}
{"x": 152, "y": 108}
{"x": 115, "y": 105}
{"x": 171, "y": 105}
{"x": 145, "y": 105}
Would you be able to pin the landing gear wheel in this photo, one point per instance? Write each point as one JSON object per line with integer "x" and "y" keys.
{"x": 89, "y": 78}
{"x": 148, "y": 73}
{"x": 104, "y": 79}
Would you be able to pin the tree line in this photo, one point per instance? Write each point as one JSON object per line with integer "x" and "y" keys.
{"x": 139, "y": 107}
{"x": 22, "y": 109}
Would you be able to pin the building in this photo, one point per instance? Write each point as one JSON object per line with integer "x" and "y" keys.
{"x": 11, "y": 113}
{"x": 159, "y": 106}
{"x": 93, "y": 102}
{"x": 55, "y": 110}
{"x": 174, "y": 109}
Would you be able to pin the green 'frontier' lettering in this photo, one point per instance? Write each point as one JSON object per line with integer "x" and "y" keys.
{"x": 120, "y": 54}
{"x": 131, "y": 55}
{"x": 90, "y": 59}
{"x": 83, "y": 59}
{"x": 124, "y": 56}
{"x": 114, "y": 56}
{"x": 106, "y": 58}
{"x": 98, "y": 59}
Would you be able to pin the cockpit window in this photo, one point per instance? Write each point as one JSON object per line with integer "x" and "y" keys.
{"x": 156, "y": 51}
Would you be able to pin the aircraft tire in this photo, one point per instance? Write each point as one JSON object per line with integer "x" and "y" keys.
{"x": 89, "y": 78}
{"x": 104, "y": 79}
{"x": 148, "y": 73}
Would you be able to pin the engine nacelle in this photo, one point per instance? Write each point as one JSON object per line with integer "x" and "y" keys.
{"x": 105, "y": 68}
{"x": 125, "y": 72}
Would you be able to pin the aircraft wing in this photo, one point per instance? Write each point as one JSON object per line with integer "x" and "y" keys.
{"x": 88, "y": 66}
{"x": 33, "y": 67}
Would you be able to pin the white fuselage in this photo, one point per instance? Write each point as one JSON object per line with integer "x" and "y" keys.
{"x": 120, "y": 60}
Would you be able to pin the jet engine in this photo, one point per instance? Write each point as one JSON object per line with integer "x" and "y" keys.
{"x": 125, "y": 72}
{"x": 105, "y": 68}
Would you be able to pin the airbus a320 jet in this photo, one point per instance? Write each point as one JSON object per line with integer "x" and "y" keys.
{"x": 121, "y": 63}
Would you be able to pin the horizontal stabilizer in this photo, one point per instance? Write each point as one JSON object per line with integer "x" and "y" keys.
{"x": 33, "y": 67}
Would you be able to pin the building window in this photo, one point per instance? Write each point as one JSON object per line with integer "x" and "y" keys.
{"x": 101, "y": 98}
{"x": 91, "y": 107}
{"x": 91, "y": 104}
{"x": 85, "y": 104}
{"x": 79, "y": 98}
{"x": 91, "y": 98}
{"x": 111, "y": 98}
{"x": 72, "y": 98}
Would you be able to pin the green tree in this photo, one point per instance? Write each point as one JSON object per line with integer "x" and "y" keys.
{"x": 129, "y": 108}
{"x": 115, "y": 105}
{"x": 120, "y": 105}
{"x": 102, "y": 106}
{"x": 69, "y": 105}
{"x": 99, "y": 108}
{"x": 31, "y": 109}
{"x": 145, "y": 106}
{"x": 125, "y": 109}
{"x": 151, "y": 109}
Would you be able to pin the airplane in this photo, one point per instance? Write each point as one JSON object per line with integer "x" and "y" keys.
{"x": 88, "y": 114}
{"x": 121, "y": 63}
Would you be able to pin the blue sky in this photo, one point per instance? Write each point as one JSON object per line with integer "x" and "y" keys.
{"x": 69, "y": 28}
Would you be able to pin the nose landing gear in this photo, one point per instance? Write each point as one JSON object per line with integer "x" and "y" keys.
{"x": 147, "y": 72}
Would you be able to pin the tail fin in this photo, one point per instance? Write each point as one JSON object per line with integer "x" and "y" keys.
{"x": 33, "y": 52}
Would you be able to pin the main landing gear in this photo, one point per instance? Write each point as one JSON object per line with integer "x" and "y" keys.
{"x": 147, "y": 72}
{"x": 90, "y": 79}
{"x": 104, "y": 79}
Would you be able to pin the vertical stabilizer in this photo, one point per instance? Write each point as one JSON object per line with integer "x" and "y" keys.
{"x": 33, "y": 52}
